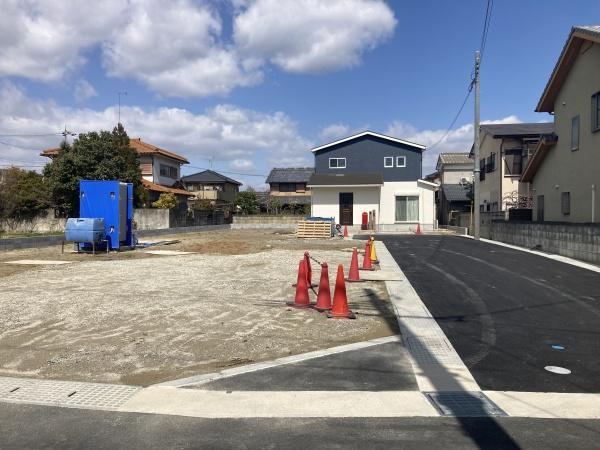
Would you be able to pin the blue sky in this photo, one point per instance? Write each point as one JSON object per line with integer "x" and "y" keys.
{"x": 252, "y": 84}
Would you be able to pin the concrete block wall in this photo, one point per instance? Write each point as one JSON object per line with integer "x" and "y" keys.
{"x": 578, "y": 241}
{"x": 151, "y": 218}
{"x": 265, "y": 221}
{"x": 45, "y": 222}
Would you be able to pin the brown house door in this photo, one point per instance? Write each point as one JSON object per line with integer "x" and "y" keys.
{"x": 346, "y": 204}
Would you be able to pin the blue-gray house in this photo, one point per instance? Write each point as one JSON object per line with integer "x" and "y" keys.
{"x": 372, "y": 172}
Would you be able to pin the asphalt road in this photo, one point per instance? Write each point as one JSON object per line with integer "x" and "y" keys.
{"x": 503, "y": 310}
{"x": 40, "y": 427}
{"x": 383, "y": 367}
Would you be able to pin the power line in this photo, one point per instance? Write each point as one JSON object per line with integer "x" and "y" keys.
{"x": 247, "y": 174}
{"x": 486, "y": 28}
{"x": 449, "y": 129}
{"x": 30, "y": 135}
{"x": 18, "y": 146}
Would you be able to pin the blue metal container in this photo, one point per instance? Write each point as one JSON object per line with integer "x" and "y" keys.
{"x": 84, "y": 230}
{"x": 113, "y": 201}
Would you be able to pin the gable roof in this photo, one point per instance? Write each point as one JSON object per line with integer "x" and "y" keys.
{"x": 290, "y": 175}
{"x": 544, "y": 146}
{"x": 369, "y": 133}
{"x": 160, "y": 188}
{"x": 209, "y": 176}
{"x": 570, "y": 51}
{"x": 455, "y": 158}
{"x": 141, "y": 147}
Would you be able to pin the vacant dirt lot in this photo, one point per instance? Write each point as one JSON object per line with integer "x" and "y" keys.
{"x": 140, "y": 319}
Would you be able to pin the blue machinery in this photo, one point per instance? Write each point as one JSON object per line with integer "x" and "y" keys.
{"x": 107, "y": 203}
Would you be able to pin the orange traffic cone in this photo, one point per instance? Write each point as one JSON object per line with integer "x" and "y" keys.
{"x": 373, "y": 252}
{"x": 324, "y": 295}
{"x": 345, "y": 230}
{"x": 419, "y": 232}
{"x": 367, "y": 264}
{"x": 302, "y": 299}
{"x": 353, "y": 275}
{"x": 340, "y": 309}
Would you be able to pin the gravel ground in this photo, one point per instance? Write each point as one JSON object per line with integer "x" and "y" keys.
{"x": 140, "y": 319}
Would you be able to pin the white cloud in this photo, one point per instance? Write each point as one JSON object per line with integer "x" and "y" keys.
{"x": 178, "y": 48}
{"x": 457, "y": 140}
{"x": 334, "y": 131}
{"x": 242, "y": 164}
{"x": 225, "y": 133}
{"x": 45, "y": 40}
{"x": 312, "y": 35}
{"x": 84, "y": 91}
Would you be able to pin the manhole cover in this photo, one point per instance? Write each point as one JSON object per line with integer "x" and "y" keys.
{"x": 558, "y": 370}
{"x": 464, "y": 404}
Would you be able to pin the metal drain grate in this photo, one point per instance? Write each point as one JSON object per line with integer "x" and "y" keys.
{"x": 432, "y": 350}
{"x": 65, "y": 393}
{"x": 464, "y": 404}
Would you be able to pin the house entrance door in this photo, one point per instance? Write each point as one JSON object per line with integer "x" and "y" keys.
{"x": 346, "y": 208}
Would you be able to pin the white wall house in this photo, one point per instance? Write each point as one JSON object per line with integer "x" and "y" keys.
{"x": 373, "y": 172}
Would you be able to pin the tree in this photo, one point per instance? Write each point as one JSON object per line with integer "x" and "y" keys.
{"x": 23, "y": 195}
{"x": 166, "y": 200}
{"x": 246, "y": 202}
{"x": 95, "y": 155}
{"x": 274, "y": 205}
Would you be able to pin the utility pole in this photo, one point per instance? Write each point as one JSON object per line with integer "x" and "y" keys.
{"x": 476, "y": 168}
{"x": 119, "y": 95}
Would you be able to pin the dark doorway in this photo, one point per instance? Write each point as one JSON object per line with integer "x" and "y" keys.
{"x": 346, "y": 206}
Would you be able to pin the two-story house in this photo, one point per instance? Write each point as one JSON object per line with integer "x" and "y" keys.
{"x": 288, "y": 185}
{"x": 213, "y": 186}
{"x": 161, "y": 169}
{"x": 564, "y": 171}
{"x": 504, "y": 150}
{"x": 454, "y": 172}
{"x": 372, "y": 172}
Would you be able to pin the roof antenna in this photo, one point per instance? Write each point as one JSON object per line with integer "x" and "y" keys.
{"x": 67, "y": 133}
{"x": 119, "y": 95}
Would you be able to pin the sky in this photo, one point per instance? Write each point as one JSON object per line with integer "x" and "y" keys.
{"x": 242, "y": 86}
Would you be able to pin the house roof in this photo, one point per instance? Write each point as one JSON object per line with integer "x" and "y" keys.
{"x": 209, "y": 176}
{"x": 456, "y": 192}
{"x": 518, "y": 129}
{"x": 570, "y": 51}
{"x": 160, "y": 188}
{"x": 542, "y": 149}
{"x": 141, "y": 147}
{"x": 290, "y": 175}
{"x": 369, "y": 133}
{"x": 455, "y": 158}
{"x": 346, "y": 179}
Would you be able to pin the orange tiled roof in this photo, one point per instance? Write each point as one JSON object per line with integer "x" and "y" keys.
{"x": 160, "y": 188}
{"x": 141, "y": 147}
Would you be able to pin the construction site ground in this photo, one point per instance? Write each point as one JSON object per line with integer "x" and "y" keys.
{"x": 135, "y": 318}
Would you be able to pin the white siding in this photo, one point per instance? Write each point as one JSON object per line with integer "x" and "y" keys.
{"x": 326, "y": 201}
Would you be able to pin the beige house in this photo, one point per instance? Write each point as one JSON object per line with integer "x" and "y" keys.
{"x": 565, "y": 170}
{"x": 504, "y": 150}
{"x": 454, "y": 174}
{"x": 213, "y": 186}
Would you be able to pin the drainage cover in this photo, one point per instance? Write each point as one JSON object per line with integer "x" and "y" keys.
{"x": 464, "y": 404}
{"x": 558, "y": 370}
{"x": 65, "y": 393}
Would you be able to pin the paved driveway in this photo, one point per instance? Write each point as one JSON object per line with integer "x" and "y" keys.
{"x": 504, "y": 310}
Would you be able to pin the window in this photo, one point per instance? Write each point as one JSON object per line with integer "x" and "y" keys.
{"x": 388, "y": 161}
{"x": 490, "y": 165}
{"x": 407, "y": 208}
{"x": 168, "y": 171}
{"x": 540, "y": 208}
{"x": 513, "y": 160}
{"x": 575, "y": 133}
{"x": 287, "y": 187}
{"x": 565, "y": 203}
{"x": 596, "y": 112}
{"x": 482, "y": 169}
{"x": 400, "y": 161}
{"x": 337, "y": 163}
